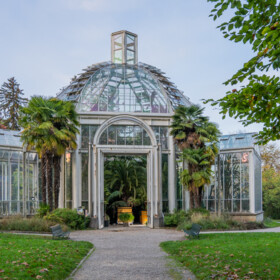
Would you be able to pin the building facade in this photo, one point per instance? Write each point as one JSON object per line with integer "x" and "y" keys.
{"x": 125, "y": 107}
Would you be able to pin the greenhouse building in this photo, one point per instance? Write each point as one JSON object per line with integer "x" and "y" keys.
{"x": 125, "y": 109}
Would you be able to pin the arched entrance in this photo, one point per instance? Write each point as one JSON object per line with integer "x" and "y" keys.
{"x": 108, "y": 140}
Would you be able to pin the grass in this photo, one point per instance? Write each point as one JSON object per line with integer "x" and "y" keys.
{"x": 37, "y": 257}
{"x": 229, "y": 255}
{"x": 270, "y": 223}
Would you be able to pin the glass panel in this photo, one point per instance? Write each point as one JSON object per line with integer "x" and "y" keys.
{"x": 245, "y": 205}
{"x": 211, "y": 205}
{"x": 84, "y": 176}
{"x": 227, "y": 205}
{"x": 118, "y": 56}
{"x": 120, "y": 135}
{"x": 236, "y": 205}
{"x": 236, "y": 168}
{"x": 164, "y": 166}
{"x": 245, "y": 175}
{"x": 84, "y": 136}
{"x": 227, "y": 177}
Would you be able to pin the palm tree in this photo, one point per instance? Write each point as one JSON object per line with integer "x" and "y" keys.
{"x": 196, "y": 137}
{"x": 49, "y": 127}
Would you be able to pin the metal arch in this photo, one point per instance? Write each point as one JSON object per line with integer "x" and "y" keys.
{"x": 112, "y": 120}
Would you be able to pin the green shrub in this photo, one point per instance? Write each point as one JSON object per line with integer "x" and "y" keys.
{"x": 175, "y": 219}
{"x": 126, "y": 217}
{"x": 43, "y": 210}
{"x": 26, "y": 224}
{"x": 69, "y": 217}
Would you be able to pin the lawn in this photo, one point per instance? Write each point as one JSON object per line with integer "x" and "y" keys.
{"x": 229, "y": 255}
{"x": 270, "y": 223}
{"x": 35, "y": 257}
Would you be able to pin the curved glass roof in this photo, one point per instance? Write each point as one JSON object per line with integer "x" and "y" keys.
{"x": 122, "y": 88}
{"x": 110, "y": 87}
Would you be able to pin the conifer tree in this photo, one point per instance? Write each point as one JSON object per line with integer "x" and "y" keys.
{"x": 11, "y": 101}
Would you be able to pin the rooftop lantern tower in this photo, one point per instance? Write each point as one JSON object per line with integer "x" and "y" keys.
{"x": 124, "y": 49}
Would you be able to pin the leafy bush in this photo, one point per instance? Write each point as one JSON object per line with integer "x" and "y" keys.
{"x": 26, "y": 224}
{"x": 172, "y": 220}
{"x": 69, "y": 217}
{"x": 126, "y": 217}
{"x": 43, "y": 210}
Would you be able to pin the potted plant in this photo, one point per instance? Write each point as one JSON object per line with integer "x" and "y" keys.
{"x": 106, "y": 220}
{"x": 126, "y": 218}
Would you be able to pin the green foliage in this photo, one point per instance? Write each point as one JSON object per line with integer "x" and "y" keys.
{"x": 11, "y": 101}
{"x": 197, "y": 138}
{"x": 43, "y": 210}
{"x": 184, "y": 220}
{"x": 173, "y": 220}
{"x": 36, "y": 257}
{"x": 271, "y": 193}
{"x": 126, "y": 217}
{"x": 26, "y": 224}
{"x": 50, "y": 127}
{"x": 69, "y": 217}
{"x": 256, "y": 23}
{"x": 229, "y": 255}
{"x": 270, "y": 155}
{"x": 125, "y": 183}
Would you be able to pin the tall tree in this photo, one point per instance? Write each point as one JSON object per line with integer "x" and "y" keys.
{"x": 257, "y": 97}
{"x": 270, "y": 155}
{"x": 50, "y": 127}
{"x": 11, "y": 100}
{"x": 196, "y": 137}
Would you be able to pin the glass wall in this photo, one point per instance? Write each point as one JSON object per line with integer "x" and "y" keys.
{"x": 234, "y": 168}
{"x": 12, "y": 182}
{"x": 125, "y": 135}
{"x": 258, "y": 183}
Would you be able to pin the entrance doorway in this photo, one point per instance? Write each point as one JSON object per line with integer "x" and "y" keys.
{"x": 124, "y": 136}
{"x": 125, "y": 188}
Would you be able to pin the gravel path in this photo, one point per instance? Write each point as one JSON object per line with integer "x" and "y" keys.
{"x": 127, "y": 253}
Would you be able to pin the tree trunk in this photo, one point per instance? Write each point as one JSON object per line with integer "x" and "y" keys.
{"x": 196, "y": 197}
{"x": 56, "y": 162}
{"x": 191, "y": 199}
{"x": 43, "y": 178}
{"x": 49, "y": 181}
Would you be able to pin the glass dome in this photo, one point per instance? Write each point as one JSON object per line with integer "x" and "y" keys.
{"x": 123, "y": 88}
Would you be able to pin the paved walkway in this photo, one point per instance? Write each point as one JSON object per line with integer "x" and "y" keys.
{"x": 127, "y": 253}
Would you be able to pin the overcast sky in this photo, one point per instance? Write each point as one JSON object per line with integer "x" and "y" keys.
{"x": 44, "y": 43}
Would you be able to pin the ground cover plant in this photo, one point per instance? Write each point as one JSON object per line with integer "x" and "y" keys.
{"x": 184, "y": 220}
{"x": 34, "y": 257}
{"x": 229, "y": 255}
{"x": 18, "y": 223}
